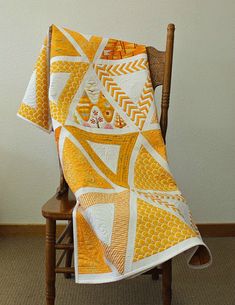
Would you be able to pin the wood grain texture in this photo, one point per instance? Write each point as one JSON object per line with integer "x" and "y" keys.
{"x": 166, "y": 282}
{"x": 217, "y": 229}
{"x": 156, "y": 61}
{"x": 206, "y": 230}
{"x": 50, "y": 261}
{"x": 166, "y": 86}
{"x": 59, "y": 207}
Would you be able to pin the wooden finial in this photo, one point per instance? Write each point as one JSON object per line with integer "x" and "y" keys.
{"x": 171, "y": 26}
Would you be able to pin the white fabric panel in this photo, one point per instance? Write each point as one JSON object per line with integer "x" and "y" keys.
{"x": 132, "y": 83}
{"x": 57, "y": 84}
{"x": 107, "y": 153}
{"x": 101, "y": 218}
{"x": 30, "y": 93}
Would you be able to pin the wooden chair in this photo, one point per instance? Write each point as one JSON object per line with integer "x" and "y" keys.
{"x": 60, "y": 206}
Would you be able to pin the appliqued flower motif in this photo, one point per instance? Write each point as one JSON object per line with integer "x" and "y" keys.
{"x": 96, "y": 119}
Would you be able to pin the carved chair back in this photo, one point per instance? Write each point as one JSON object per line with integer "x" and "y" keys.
{"x": 160, "y": 63}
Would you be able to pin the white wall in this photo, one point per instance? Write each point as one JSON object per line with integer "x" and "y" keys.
{"x": 201, "y": 144}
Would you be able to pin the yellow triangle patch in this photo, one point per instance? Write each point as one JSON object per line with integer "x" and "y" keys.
{"x": 126, "y": 143}
{"x": 115, "y": 252}
{"x": 154, "y": 137}
{"x": 60, "y": 45}
{"x": 150, "y": 175}
{"x": 89, "y": 47}
{"x": 90, "y": 249}
{"x": 78, "y": 171}
{"x": 157, "y": 230}
{"x": 77, "y": 70}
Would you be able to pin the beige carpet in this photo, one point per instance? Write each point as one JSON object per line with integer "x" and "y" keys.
{"x": 22, "y": 279}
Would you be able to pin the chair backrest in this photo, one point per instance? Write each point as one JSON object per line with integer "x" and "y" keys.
{"x": 160, "y": 64}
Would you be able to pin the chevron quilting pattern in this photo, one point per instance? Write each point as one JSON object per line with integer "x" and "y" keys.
{"x": 126, "y": 68}
{"x": 124, "y": 102}
{"x": 146, "y": 98}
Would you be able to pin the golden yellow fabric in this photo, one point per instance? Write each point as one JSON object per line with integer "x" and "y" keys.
{"x": 149, "y": 174}
{"x": 157, "y": 230}
{"x": 91, "y": 254}
{"x": 40, "y": 114}
{"x": 77, "y": 170}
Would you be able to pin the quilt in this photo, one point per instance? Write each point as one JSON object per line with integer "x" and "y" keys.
{"x": 96, "y": 95}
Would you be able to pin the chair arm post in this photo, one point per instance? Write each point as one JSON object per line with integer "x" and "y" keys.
{"x": 167, "y": 80}
{"x": 63, "y": 187}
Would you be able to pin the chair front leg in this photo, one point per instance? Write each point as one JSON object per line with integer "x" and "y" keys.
{"x": 69, "y": 254}
{"x": 50, "y": 261}
{"x": 166, "y": 282}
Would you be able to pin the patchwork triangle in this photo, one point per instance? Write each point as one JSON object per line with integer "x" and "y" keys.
{"x": 115, "y": 251}
{"x": 76, "y": 70}
{"x": 89, "y": 47}
{"x": 157, "y": 230}
{"x": 155, "y": 139}
{"x": 126, "y": 143}
{"x": 101, "y": 217}
{"x": 90, "y": 249}
{"x": 30, "y": 93}
{"x": 110, "y": 74}
{"x": 150, "y": 175}
{"x": 57, "y": 84}
{"x": 93, "y": 97}
{"x": 108, "y": 153}
{"x": 78, "y": 171}
{"x": 137, "y": 80}
{"x": 60, "y": 45}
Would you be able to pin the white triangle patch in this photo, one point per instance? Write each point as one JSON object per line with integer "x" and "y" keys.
{"x": 101, "y": 217}
{"x": 92, "y": 90}
{"x": 132, "y": 84}
{"x": 57, "y": 84}
{"x": 30, "y": 93}
{"x": 108, "y": 153}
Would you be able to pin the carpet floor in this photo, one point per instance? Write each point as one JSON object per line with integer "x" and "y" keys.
{"x": 22, "y": 279}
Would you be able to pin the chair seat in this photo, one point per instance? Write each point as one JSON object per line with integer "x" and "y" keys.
{"x": 59, "y": 208}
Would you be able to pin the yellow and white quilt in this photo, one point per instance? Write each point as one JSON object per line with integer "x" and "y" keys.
{"x": 96, "y": 95}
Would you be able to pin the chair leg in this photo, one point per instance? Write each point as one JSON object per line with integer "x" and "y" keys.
{"x": 69, "y": 254}
{"x": 155, "y": 274}
{"x": 50, "y": 261}
{"x": 166, "y": 282}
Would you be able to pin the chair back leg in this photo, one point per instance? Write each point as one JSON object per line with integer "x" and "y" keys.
{"x": 166, "y": 282}
{"x": 155, "y": 274}
{"x": 50, "y": 261}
